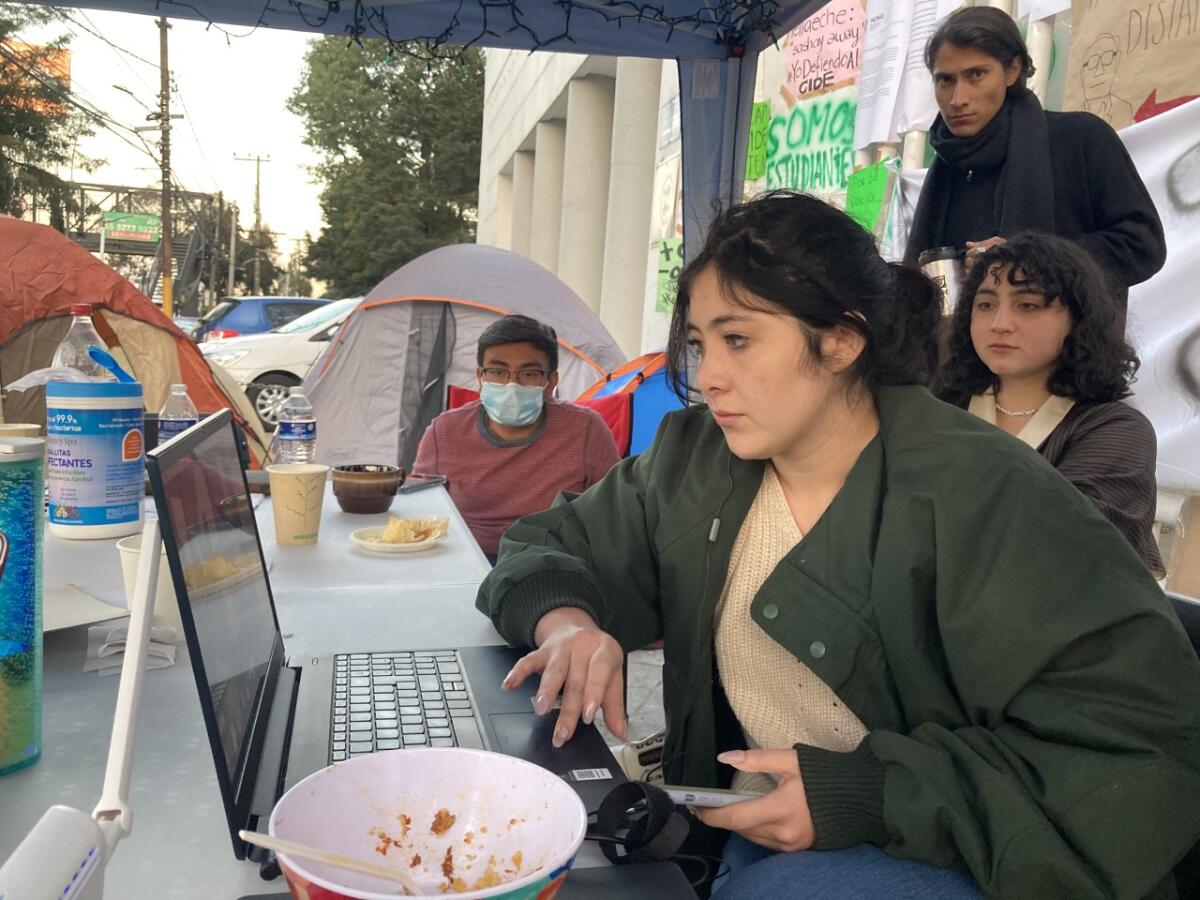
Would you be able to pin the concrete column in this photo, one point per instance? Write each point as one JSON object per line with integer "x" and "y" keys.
{"x": 522, "y": 201}
{"x": 1040, "y": 42}
{"x": 630, "y": 197}
{"x": 502, "y": 229}
{"x": 913, "y": 155}
{"x": 545, "y": 219}
{"x": 586, "y": 165}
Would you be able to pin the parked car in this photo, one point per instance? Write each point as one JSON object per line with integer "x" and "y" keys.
{"x": 236, "y": 316}
{"x": 189, "y": 325}
{"x": 267, "y": 365}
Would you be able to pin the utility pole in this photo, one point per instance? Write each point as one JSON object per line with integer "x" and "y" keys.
{"x": 164, "y": 116}
{"x": 233, "y": 230}
{"x": 216, "y": 248}
{"x": 258, "y": 161}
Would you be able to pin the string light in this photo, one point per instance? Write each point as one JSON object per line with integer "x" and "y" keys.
{"x": 728, "y": 21}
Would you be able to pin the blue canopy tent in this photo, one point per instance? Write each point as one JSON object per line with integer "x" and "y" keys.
{"x": 716, "y": 44}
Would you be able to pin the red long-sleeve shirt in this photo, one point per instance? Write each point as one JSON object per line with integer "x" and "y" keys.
{"x": 493, "y": 483}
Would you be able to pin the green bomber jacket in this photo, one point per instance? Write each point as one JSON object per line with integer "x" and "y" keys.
{"x": 1031, "y": 698}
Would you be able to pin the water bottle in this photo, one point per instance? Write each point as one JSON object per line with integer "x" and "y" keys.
{"x": 73, "y": 351}
{"x": 177, "y": 414}
{"x": 297, "y": 432}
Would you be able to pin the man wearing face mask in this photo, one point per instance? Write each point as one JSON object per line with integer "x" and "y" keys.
{"x": 511, "y": 452}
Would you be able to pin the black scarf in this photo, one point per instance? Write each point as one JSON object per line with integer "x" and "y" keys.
{"x": 1017, "y": 140}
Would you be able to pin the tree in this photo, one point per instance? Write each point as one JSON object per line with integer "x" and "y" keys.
{"x": 38, "y": 125}
{"x": 399, "y": 140}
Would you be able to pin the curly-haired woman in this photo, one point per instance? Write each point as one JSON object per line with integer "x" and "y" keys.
{"x": 1037, "y": 347}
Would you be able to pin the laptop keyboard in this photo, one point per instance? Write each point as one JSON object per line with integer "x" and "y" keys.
{"x": 385, "y": 701}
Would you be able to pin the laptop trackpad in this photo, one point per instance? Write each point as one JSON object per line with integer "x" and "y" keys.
{"x": 527, "y": 736}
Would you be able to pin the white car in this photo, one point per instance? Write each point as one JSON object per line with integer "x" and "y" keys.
{"x": 267, "y": 365}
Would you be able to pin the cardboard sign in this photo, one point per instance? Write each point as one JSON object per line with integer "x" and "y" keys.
{"x": 1131, "y": 61}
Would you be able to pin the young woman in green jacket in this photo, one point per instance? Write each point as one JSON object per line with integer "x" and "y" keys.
{"x": 940, "y": 665}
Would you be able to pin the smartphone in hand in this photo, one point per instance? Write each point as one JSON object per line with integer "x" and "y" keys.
{"x": 704, "y": 798}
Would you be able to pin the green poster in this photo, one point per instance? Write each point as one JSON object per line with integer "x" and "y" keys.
{"x": 670, "y": 263}
{"x": 866, "y": 192}
{"x": 756, "y": 149}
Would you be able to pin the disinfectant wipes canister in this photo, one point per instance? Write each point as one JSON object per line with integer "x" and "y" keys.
{"x": 95, "y": 458}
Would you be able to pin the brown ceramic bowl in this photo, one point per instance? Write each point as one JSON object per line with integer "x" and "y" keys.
{"x": 366, "y": 488}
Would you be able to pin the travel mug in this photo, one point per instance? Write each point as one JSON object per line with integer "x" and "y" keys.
{"x": 944, "y": 266}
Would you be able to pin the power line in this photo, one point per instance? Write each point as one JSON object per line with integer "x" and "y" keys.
{"x": 96, "y": 34}
{"x": 99, "y": 117}
{"x": 187, "y": 117}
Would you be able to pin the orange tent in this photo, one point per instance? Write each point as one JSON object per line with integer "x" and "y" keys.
{"x": 42, "y": 273}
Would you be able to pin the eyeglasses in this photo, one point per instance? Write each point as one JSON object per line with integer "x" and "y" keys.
{"x": 1096, "y": 60}
{"x": 525, "y": 377}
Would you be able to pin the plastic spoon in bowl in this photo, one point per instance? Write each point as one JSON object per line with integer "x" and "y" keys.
{"x": 337, "y": 860}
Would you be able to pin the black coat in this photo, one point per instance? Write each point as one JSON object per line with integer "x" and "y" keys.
{"x": 1099, "y": 202}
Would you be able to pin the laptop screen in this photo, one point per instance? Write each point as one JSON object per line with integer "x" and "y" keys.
{"x": 212, "y": 544}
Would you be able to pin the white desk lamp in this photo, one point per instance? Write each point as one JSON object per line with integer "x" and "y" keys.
{"x": 64, "y": 856}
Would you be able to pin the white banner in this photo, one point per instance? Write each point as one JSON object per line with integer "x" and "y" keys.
{"x": 1164, "y": 313}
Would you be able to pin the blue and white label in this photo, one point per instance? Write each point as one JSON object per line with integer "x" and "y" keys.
{"x": 297, "y": 431}
{"x": 168, "y": 428}
{"x": 95, "y": 465}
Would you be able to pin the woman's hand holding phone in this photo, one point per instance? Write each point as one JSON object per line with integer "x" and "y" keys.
{"x": 779, "y": 820}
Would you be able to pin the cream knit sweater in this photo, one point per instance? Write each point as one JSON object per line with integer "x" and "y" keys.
{"x": 777, "y": 699}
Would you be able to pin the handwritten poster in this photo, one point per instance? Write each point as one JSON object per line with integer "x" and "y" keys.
{"x": 756, "y": 149}
{"x": 866, "y": 195}
{"x": 1131, "y": 61}
{"x": 825, "y": 50}
{"x": 810, "y": 147}
{"x": 670, "y": 264}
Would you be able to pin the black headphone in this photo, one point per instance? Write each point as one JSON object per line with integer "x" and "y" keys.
{"x": 637, "y": 822}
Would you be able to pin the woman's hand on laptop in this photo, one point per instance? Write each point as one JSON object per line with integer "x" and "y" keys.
{"x": 575, "y": 657}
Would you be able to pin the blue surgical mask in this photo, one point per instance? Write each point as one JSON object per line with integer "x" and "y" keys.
{"x": 512, "y": 404}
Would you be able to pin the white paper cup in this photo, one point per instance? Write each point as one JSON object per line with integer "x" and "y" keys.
{"x": 297, "y": 493}
{"x": 166, "y": 607}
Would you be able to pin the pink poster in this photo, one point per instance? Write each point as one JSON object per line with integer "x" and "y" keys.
{"x": 825, "y": 50}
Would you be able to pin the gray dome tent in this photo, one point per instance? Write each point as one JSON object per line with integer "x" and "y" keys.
{"x": 385, "y": 375}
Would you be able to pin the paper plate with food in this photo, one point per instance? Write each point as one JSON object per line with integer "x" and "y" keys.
{"x": 402, "y": 535}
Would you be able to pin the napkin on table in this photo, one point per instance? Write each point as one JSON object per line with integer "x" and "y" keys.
{"x": 106, "y": 648}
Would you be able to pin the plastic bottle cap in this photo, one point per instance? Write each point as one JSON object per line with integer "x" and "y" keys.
{"x": 81, "y": 309}
{"x": 179, "y": 389}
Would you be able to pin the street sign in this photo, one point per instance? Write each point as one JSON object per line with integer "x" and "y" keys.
{"x": 120, "y": 226}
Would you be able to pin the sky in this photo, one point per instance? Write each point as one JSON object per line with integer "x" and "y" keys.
{"x": 232, "y": 88}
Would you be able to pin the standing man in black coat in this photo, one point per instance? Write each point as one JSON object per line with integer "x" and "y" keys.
{"x": 1004, "y": 164}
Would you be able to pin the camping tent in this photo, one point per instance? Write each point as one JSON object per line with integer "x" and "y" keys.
{"x": 386, "y": 375}
{"x": 716, "y": 45}
{"x": 42, "y": 274}
{"x": 644, "y": 381}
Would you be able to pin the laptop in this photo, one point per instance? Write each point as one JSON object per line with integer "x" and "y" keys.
{"x": 273, "y": 720}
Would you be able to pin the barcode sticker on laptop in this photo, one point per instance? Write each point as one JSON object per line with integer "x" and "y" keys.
{"x": 587, "y": 775}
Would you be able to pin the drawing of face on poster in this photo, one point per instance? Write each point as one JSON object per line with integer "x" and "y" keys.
{"x": 666, "y": 197}
{"x": 1098, "y": 69}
